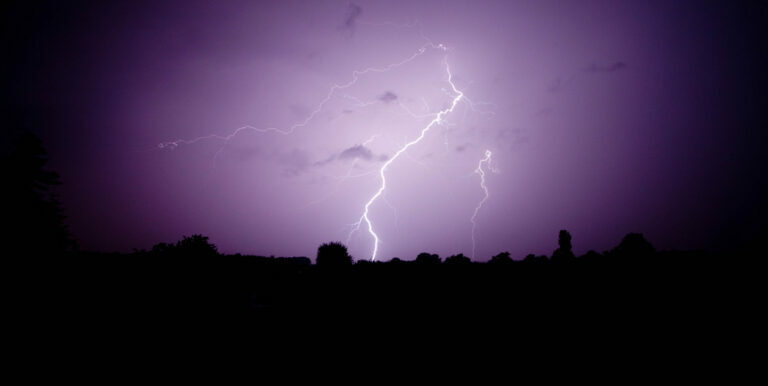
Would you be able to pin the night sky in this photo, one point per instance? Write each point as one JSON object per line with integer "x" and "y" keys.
{"x": 256, "y": 123}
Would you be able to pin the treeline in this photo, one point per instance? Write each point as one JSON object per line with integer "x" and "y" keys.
{"x": 185, "y": 290}
{"x": 190, "y": 279}
{"x": 335, "y": 255}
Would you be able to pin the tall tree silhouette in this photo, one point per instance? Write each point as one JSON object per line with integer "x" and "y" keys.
{"x": 33, "y": 220}
{"x": 564, "y": 251}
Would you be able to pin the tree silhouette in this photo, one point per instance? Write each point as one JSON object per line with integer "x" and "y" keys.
{"x": 564, "y": 252}
{"x": 457, "y": 259}
{"x": 501, "y": 258}
{"x": 188, "y": 246}
{"x": 427, "y": 259}
{"x": 531, "y": 259}
{"x": 333, "y": 254}
{"x": 196, "y": 245}
{"x": 33, "y": 220}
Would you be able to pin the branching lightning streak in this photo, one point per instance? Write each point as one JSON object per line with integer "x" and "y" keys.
{"x": 436, "y": 119}
{"x": 331, "y": 92}
{"x": 382, "y": 172}
{"x": 481, "y": 172}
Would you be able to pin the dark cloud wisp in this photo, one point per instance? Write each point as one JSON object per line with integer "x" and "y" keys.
{"x": 351, "y": 14}
{"x": 387, "y": 97}
{"x": 352, "y": 153}
{"x": 357, "y": 151}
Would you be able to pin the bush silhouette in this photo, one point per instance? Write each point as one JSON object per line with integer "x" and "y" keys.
{"x": 333, "y": 254}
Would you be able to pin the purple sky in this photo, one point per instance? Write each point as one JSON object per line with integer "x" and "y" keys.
{"x": 603, "y": 117}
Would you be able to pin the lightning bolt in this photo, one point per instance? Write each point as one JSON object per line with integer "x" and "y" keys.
{"x": 356, "y": 74}
{"x": 382, "y": 172}
{"x": 338, "y": 88}
{"x": 481, "y": 172}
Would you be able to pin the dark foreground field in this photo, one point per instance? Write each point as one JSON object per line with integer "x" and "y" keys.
{"x": 146, "y": 294}
{"x": 661, "y": 308}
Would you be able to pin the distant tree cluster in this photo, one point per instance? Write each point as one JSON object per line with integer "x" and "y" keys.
{"x": 334, "y": 254}
{"x": 192, "y": 246}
